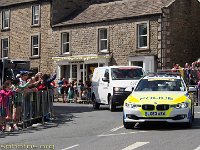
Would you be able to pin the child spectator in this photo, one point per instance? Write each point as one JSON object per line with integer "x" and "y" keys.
{"x": 17, "y": 101}
{"x": 5, "y": 93}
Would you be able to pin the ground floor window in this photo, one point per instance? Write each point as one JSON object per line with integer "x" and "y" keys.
{"x": 74, "y": 71}
{"x": 137, "y": 63}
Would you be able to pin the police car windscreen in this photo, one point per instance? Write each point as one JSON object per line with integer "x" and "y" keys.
{"x": 160, "y": 85}
{"x": 126, "y": 73}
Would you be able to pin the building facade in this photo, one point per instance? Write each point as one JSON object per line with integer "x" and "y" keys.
{"x": 26, "y": 33}
{"x": 76, "y": 36}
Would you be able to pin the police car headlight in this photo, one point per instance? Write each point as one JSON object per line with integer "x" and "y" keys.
{"x": 118, "y": 89}
{"x": 132, "y": 105}
{"x": 182, "y": 105}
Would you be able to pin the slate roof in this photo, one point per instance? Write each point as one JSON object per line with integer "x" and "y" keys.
{"x": 116, "y": 10}
{"x": 13, "y": 2}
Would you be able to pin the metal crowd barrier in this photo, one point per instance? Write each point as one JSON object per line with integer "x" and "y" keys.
{"x": 31, "y": 107}
{"x": 195, "y": 96}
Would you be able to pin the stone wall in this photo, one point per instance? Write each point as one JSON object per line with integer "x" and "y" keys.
{"x": 20, "y": 36}
{"x": 180, "y": 40}
{"x": 122, "y": 39}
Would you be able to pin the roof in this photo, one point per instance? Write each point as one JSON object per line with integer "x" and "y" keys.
{"x": 13, "y": 2}
{"x": 116, "y": 10}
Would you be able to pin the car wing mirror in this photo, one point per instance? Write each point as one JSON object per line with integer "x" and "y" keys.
{"x": 105, "y": 79}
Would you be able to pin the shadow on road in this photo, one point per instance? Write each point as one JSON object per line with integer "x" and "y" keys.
{"x": 167, "y": 126}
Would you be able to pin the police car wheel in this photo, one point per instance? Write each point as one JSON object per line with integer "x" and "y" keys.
{"x": 189, "y": 124}
{"x": 112, "y": 107}
{"x": 128, "y": 125}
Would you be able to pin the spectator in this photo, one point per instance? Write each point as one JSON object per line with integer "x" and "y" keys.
{"x": 71, "y": 92}
{"x": 63, "y": 88}
{"x": 17, "y": 101}
{"x": 5, "y": 93}
{"x": 192, "y": 80}
{"x": 45, "y": 82}
{"x": 80, "y": 88}
{"x": 187, "y": 72}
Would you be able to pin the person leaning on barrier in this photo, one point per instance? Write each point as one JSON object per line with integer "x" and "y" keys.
{"x": 45, "y": 82}
{"x": 17, "y": 88}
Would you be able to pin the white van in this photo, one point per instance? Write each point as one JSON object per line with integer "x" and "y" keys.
{"x": 112, "y": 85}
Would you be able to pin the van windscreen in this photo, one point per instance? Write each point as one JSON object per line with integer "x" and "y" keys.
{"x": 126, "y": 73}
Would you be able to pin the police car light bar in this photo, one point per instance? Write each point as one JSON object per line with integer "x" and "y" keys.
{"x": 163, "y": 73}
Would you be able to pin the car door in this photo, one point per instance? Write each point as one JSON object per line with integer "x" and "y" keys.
{"x": 103, "y": 87}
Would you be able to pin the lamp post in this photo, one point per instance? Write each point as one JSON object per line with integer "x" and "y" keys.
{"x": 3, "y": 68}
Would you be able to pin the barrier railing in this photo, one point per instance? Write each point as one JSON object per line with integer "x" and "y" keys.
{"x": 195, "y": 95}
{"x": 26, "y": 108}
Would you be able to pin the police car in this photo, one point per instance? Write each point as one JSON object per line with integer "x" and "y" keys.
{"x": 159, "y": 97}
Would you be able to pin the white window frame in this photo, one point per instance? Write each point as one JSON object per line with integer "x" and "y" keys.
{"x": 5, "y": 18}
{"x": 37, "y": 46}
{"x": 65, "y": 42}
{"x": 102, "y": 40}
{"x": 138, "y": 24}
{"x": 4, "y": 48}
{"x": 35, "y": 15}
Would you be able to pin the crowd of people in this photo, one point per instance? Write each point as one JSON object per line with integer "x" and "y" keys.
{"x": 72, "y": 91}
{"x": 190, "y": 73}
{"x": 11, "y": 108}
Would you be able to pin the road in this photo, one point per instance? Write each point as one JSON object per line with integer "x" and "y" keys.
{"x": 79, "y": 127}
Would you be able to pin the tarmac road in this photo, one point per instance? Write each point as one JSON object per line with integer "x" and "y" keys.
{"x": 79, "y": 127}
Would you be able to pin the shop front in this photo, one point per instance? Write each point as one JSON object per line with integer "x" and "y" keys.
{"x": 79, "y": 67}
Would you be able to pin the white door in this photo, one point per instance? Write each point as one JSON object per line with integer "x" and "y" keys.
{"x": 103, "y": 88}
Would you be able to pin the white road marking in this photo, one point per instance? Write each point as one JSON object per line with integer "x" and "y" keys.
{"x": 117, "y": 128}
{"x": 71, "y": 147}
{"x": 135, "y": 145}
{"x": 120, "y": 133}
{"x": 197, "y": 112}
{"x": 101, "y": 135}
{"x": 117, "y": 134}
{"x": 198, "y": 148}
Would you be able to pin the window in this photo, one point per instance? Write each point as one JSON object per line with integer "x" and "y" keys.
{"x": 106, "y": 74}
{"x": 36, "y": 15}
{"x": 5, "y": 47}
{"x": 6, "y": 19}
{"x": 35, "y": 45}
{"x": 65, "y": 42}
{"x": 142, "y": 35}
{"x": 137, "y": 63}
{"x": 103, "y": 40}
{"x": 74, "y": 71}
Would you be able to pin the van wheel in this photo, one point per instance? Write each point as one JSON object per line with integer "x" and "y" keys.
{"x": 112, "y": 107}
{"x": 95, "y": 104}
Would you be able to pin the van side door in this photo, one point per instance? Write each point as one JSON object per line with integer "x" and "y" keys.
{"x": 103, "y": 87}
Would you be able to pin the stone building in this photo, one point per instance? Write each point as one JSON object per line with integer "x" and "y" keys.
{"x": 78, "y": 35}
{"x": 26, "y": 33}
{"x": 153, "y": 34}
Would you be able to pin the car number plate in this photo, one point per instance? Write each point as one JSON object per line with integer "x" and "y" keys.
{"x": 162, "y": 113}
